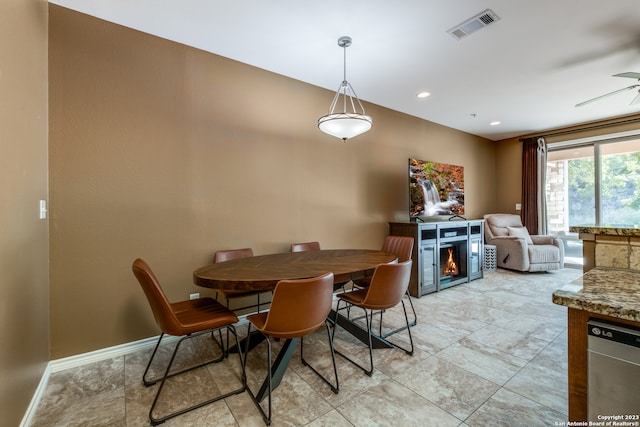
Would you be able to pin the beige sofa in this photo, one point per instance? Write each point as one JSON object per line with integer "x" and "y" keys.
{"x": 517, "y": 250}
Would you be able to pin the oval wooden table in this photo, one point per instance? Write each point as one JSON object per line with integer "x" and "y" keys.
{"x": 263, "y": 272}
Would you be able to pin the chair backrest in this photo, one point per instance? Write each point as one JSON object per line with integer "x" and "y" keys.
{"x": 400, "y": 245}
{"x": 229, "y": 254}
{"x": 299, "y": 307}
{"x": 388, "y": 285}
{"x": 305, "y": 247}
{"x": 160, "y": 305}
{"x": 496, "y": 224}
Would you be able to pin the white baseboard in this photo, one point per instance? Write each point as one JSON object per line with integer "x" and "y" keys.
{"x": 93, "y": 356}
{"x": 103, "y": 354}
{"x": 80, "y": 360}
{"x": 35, "y": 400}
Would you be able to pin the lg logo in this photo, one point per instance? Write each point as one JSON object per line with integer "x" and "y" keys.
{"x": 599, "y": 332}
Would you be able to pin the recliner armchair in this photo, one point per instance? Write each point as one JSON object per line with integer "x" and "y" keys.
{"x": 517, "y": 250}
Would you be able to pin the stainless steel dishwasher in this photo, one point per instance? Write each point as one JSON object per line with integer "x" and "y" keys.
{"x": 614, "y": 371}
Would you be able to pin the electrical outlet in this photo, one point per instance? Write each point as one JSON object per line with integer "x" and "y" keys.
{"x": 518, "y": 206}
{"x": 195, "y": 295}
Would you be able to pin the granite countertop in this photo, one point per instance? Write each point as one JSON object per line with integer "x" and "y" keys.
{"x": 610, "y": 230}
{"x": 609, "y": 291}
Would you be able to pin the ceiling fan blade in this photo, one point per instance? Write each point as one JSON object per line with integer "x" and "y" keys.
{"x": 629, "y": 74}
{"x": 636, "y": 100}
{"x": 606, "y": 95}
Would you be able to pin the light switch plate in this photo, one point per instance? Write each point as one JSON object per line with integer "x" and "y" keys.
{"x": 43, "y": 209}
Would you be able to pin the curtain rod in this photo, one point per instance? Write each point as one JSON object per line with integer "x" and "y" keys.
{"x": 600, "y": 126}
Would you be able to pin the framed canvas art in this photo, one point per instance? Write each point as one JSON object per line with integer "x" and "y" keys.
{"x": 435, "y": 189}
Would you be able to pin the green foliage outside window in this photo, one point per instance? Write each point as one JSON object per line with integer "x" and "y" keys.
{"x": 620, "y": 190}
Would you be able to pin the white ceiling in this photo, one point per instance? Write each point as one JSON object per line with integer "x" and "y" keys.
{"x": 526, "y": 70}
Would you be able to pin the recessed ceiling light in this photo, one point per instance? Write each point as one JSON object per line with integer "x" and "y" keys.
{"x": 423, "y": 95}
{"x": 496, "y": 123}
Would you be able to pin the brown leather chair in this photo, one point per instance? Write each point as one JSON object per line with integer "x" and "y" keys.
{"x": 305, "y": 247}
{"x": 402, "y": 246}
{"x": 186, "y": 319}
{"x": 298, "y": 308}
{"x": 228, "y": 255}
{"x": 310, "y": 247}
{"x": 386, "y": 290}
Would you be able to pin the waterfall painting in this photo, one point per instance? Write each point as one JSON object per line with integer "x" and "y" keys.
{"x": 435, "y": 189}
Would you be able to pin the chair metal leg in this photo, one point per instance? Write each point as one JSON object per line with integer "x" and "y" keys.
{"x": 266, "y": 416}
{"x": 406, "y": 318}
{"x": 415, "y": 316}
{"x": 369, "y": 320}
{"x": 225, "y": 349}
{"x": 246, "y": 348}
{"x": 150, "y": 382}
{"x": 369, "y": 326}
{"x": 276, "y": 371}
{"x": 146, "y": 382}
{"x": 335, "y": 388}
{"x": 369, "y": 372}
{"x": 408, "y": 327}
{"x": 402, "y": 328}
{"x": 159, "y": 420}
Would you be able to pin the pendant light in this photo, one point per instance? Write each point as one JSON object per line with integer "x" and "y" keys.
{"x": 348, "y": 123}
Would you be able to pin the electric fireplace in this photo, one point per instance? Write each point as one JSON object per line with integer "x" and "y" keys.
{"x": 453, "y": 262}
{"x": 446, "y": 253}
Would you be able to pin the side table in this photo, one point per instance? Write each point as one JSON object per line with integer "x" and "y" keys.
{"x": 490, "y": 258}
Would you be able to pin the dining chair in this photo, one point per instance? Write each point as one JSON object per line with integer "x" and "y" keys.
{"x": 310, "y": 247}
{"x": 305, "y": 247}
{"x": 386, "y": 290}
{"x": 298, "y": 308}
{"x": 402, "y": 246}
{"x": 228, "y": 255}
{"x": 184, "y": 319}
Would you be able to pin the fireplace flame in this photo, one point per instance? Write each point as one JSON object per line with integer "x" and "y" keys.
{"x": 451, "y": 268}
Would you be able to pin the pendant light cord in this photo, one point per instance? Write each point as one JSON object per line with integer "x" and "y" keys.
{"x": 344, "y": 80}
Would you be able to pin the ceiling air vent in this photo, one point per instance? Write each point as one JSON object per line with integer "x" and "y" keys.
{"x": 474, "y": 24}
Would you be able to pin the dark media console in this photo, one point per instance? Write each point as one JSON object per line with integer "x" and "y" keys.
{"x": 445, "y": 253}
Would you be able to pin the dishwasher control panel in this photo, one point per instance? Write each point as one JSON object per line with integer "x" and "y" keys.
{"x": 617, "y": 333}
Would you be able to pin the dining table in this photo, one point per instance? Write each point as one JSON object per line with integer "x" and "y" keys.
{"x": 263, "y": 272}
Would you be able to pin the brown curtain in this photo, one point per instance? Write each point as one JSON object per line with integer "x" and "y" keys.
{"x": 529, "y": 213}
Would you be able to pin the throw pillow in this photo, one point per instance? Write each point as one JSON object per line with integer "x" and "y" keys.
{"x": 520, "y": 232}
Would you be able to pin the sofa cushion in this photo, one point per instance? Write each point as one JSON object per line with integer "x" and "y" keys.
{"x": 497, "y": 224}
{"x": 520, "y": 232}
{"x": 540, "y": 254}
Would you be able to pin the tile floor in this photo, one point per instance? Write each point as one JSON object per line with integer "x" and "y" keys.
{"x": 488, "y": 353}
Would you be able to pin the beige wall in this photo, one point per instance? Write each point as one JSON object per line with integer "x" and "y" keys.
{"x": 169, "y": 153}
{"x": 508, "y": 188}
{"x": 24, "y": 293}
{"x": 509, "y": 155}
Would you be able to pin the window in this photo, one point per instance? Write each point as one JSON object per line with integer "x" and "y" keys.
{"x": 570, "y": 188}
{"x": 620, "y": 183}
{"x": 596, "y": 182}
